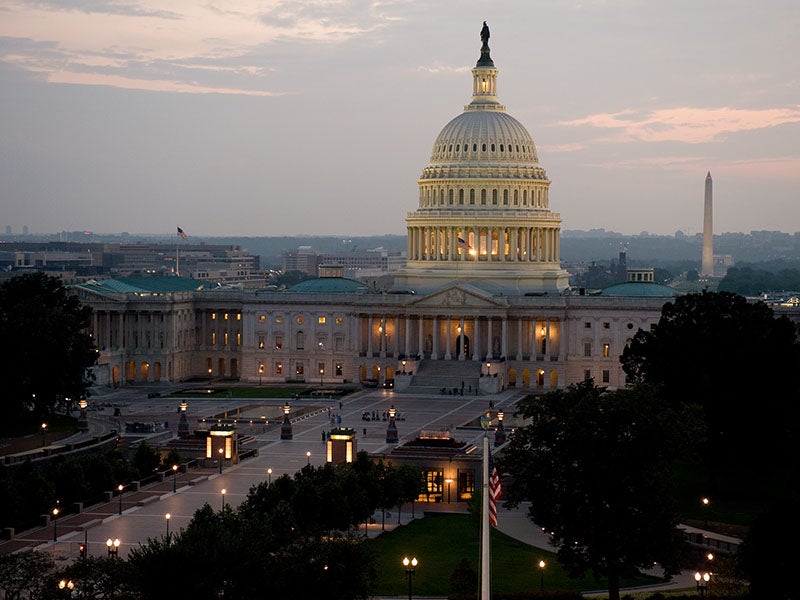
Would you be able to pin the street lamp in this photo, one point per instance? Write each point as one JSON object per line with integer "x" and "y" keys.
{"x": 113, "y": 546}
{"x": 223, "y": 498}
{"x": 542, "y": 565}
{"x": 55, "y": 519}
{"x": 174, "y": 478}
{"x": 120, "y": 488}
{"x": 392, "y": 436}
{"x": 411, "y": 568}
{"x": 706, "y": 503}
{"x": 286, "y": 426}
{"x": 448, "y": 481}
{"x": 702, "y": 579}
{"x": 308, "y": 457}
{"x": 488, "y": 366}
{"x": 500, "y": 432}
{"x": 220, "y": 451}
{"x": 167, "y": 517}
{"x": 44, "y": 434}
{"x": 321, "y": 374}
{"x": 404, "y": 367}
{"x": 66, "y": 584}
{"x": 269, "y": 476}
{"x": 83, "y": 420}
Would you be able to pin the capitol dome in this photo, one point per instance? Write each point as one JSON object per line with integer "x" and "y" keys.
{"x": 483, "y": 216}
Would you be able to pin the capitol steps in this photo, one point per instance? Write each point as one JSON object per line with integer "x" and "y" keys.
{"x": 433, "y": 375}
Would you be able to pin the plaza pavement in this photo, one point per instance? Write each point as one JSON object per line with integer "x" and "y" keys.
{"x": 143, "y": 514}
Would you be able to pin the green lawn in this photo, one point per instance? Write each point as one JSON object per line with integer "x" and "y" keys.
{"x": 439, "y": 542}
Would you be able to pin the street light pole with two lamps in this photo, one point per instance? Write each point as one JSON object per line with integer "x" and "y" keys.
{"x": 411, "y": 568}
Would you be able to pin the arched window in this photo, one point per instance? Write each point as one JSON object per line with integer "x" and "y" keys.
{"x": 501, "y": 147}
{"x": 525, "y": 197}
{"x": 301, "y": 340}
{"x": 505, "y": 197}
{"x": 492, "y": 147}
{"x": 483, "y": 196}
{"x": 461, "y": 196}
{"x": 494, "y": 197}
{"x": 450, "y": 196}
{"x": 474, "y": 147}
{"x": 516, "y": 197}
{"x": 472, "y": 196}
{"x": 483, "y": 147}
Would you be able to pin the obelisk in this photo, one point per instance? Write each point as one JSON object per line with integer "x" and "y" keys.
{"x": 707, "y": 266}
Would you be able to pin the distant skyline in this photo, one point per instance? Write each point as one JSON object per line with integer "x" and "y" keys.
{"x": 316, "y": 117}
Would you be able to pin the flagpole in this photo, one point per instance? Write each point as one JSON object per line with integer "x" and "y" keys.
{"x": 177, "y": 256}
{"x": 486, "y": 584}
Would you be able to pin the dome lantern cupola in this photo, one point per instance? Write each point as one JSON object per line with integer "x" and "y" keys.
{"x": 484, "y": 79}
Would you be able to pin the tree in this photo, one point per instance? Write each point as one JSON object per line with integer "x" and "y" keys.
{"x": 409, "y": 486}
{"x": 23, "y": 572}
{"x": 737, "y": 361}
{"x": 594, "y": 465}
{"x": 46, "y": 352}
{"x": 146, "y": 459}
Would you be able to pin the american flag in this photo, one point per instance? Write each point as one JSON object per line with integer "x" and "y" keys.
{"x": 463, "y": 244}
{"x": 495, "y": 491}
{"x": 181, "y": 234}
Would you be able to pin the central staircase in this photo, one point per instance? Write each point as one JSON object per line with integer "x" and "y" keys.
{"x": 433, "y": 375}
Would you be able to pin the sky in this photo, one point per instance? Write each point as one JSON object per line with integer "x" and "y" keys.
{"x": 275, "y": 117}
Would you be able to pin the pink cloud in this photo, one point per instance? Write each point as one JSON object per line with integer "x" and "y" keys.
{"x": 783, "y": 168}
{"x": 687, "y": 124}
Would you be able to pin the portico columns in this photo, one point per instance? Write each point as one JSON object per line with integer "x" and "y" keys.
{"x": 396, "y": 335}
{"x": 421, "y": 342}
{"x": 463, "y": 335}
{"x": 476, "y": 352}
{"x": 369, "y": 336}
{"x": 519, "y": 338}
{"x": 407, "y": 338}
{"x": 489, "y": 340}
{"x": 435, "y": 344}
{"x": 447, "y": 355}
{"x": 504, "y": 338}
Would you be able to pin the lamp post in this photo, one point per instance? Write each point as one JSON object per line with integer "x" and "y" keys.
{"x": 392, "y": 436}
{"x": 706, "y": 503}
{"x": 488, "y": 367}
{"x": 113, "y": 546}
{"x": 308, "y": 457}
{"x": 183, "y": 423}
{"x": 174, "y": 478}
{"x": 321, "y": 375}
{"x": 286, "y": 426}
{"x": 269, "y": 476}
{"x": 68, "y": 585}
{"x": 404, "y": 367}
{"x": 44, "y": 434}
{"x": 221, "y": 453}
{"x": 702, "y": 579}
{"x": 55, "y": 520}
{"x": 500, "y": 432}
{"x": 167, "y": 517}
{"x": 83, "y": 420}
{"x": 542, "y": 565}
{"x": 448, "y": 481}
{"x": 411, "y": 567}
{"x": 223, "y": 498}
{"x": 120, "y": 489}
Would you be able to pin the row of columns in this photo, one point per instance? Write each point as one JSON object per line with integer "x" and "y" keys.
{"x": 445, "y": 346}
{"x": 523, "y": 244}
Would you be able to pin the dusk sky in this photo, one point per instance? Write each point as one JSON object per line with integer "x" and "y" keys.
{"x": 258, "y": 117}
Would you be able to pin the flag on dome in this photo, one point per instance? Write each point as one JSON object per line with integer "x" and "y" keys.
{"x": 463, "y": 244}
{"x": 182, "y": 234}
{"x": 495, "y": 491}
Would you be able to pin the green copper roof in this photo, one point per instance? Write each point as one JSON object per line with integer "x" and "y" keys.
{"x": 640, "y": 289}
{"x": 328, "y": 285}
{"x": 147, "y": 285}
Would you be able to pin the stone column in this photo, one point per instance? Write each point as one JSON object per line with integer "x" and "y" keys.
{"x": 369, "y": 336}
{"x": 396, "y": 350}
{"x": 547, "y": 340}
{"x": 463, "y": 335}
{"x": 504, "y": 338}
{"x": 519, "y": 338}
{"x": 489, "y": 353}
{"x": 407, "y": 337}
{"x": 476, "y": 352}
{"x": 421, "y": 341}
{"x": 435, "y": 336}
{"x": 382, "y": 332}
{"x": 359, "y": 342}
{"x": 447, "y": 355}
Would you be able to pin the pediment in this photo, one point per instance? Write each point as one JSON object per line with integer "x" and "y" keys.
{"x": 459, "y": 296}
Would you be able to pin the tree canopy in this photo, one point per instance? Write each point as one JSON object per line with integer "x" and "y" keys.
{"x": 736, "y": 360}
{"x": 594, "y": 465}
{"x": 46, "y": 352}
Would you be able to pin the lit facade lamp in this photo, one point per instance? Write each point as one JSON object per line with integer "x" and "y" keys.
{"x": 404, "y": 367}
{"x": 500, "y": 432}
{"x": 44, "y": 434}
{"x": 113, "y": 546}
{"x": 269, "y": 476}
{"x": 488, "y": 368}
{"x": 391, "y": 431}
{"x": 702, "y": 580}
{"x": 83, "y": 420}
{"x": 120, "y": 489}
{"x": 449, "y": 482}
{"x": 410, "y": 565}
{"x": 183, "y": 423}
{"x": 286, "y": 426}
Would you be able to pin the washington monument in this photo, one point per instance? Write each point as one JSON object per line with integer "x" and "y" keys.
{"x": 707, "y": 266}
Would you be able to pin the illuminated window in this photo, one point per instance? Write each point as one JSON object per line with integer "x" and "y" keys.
{"x": 339, "y": 320}
{"x": 606, "y": 350}
{"x": 279, "y": 319}
{"x": 321, "y": 368}
{"x": 238, "y": 338}
{"x": 261, "y": 368}
{"x": 299, "y": 320}
{"x": 213, "y": 338}
{"x": 213, "y": 316}
{"x": 238, "y": 316}
{"x": 321, "y": 320}
{"x": 262, "y": 318}
{"x": 225, "y": 338}
{"x": 299, "y": 369}
{"x": 225, "y": 316}
{"x": 278, "y": 342}
{"x": 278, "y": 368}
{"x": 261, "y": 343}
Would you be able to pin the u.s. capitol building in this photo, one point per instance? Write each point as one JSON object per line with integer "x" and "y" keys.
{"x": 482, "y": 293}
